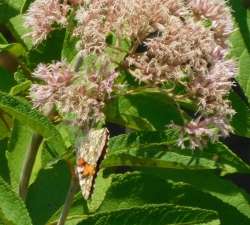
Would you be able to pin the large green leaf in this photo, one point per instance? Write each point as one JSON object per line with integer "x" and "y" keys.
{"x": 47, "y": 194}
{"x": 158, "y": 149}
{"x": 10, "y": 8}
{"x": 147, "y": 109}
{"x": 161, "y": 214}
{"x": 30, "y": 117}
{"x": 77, "y": 210}
{"x": 6, "y": 80}
{"x": 241, "y": 120}
{"x": 12, "y": 209}
{"x": 240, "y": 38}
{"x": 244, "y": 76}
{"x": 240, "y": 42}
{"x": 137, "y": 189}
{"x": 19, "y": 144}
{"x": 16, "y": 26}
{"x": 208, "y": 183}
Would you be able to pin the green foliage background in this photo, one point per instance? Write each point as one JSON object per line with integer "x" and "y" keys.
{"x": 143, "y": 179}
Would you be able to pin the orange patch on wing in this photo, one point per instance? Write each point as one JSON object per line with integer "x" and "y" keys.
{"x": 89, "y": 170}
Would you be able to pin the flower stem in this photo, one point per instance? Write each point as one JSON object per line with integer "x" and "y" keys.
{"x": 28, "y": 165}
{"x": 74, "y": 186}
{"x": 30, "y": 160}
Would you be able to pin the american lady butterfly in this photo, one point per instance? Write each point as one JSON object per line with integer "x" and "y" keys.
{"x": 89, "y": 156}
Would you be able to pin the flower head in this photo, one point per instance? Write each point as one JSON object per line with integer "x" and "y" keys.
{"x": 173, "y": 41}
{"x": 218, "y": 13}
{"x": 56, "y": 76}
{"x": 134, "y": 19}
{"x": 79, "y": 97}
{"x": 42, "y": 15}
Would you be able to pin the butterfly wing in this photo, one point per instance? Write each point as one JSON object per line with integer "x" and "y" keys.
{"x": 90, "y": 153}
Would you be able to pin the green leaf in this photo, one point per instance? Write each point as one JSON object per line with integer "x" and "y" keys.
{"x": 134, "y": 189}
{"x": 4, "y": 170}
{"x": 210, "y": 184}
{"x": 240, "y": 38}
{"x": 32, "y": 118}
{"x": 5, "y": 125}
{"x": 148, "y": 215}
{"x": 241, "y": 120}
{"x": 19, "y": 88}
{"x": 69, "y": 45}
{"x": 48, "y": 50}
{"x": 12, "y": 209}
{"x": 240, "y": 44}
{"x": 77, "y": 209}
{"x": 16, "y": 26}
{"x": 47, "y": 194}
{"x": 158, "y": 149}
{"x": 19, "y": 144}
{"x": 10, "y": 8}
{"x": 243, "y": 78}
{"x": 3, "y": 39}
{"x": 111, "y": 39}
{"x": 16, "y": 49}
{"x": 148, "y": 109}
{"x": 6, "y": 80}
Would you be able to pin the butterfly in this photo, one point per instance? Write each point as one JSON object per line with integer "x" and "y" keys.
{"x": 89, "y": 156}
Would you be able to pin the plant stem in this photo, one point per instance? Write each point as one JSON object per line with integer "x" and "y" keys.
{"x": 28, "y": 165}
{"x": 29, "y": 161}
{"x": 74, "y": 185}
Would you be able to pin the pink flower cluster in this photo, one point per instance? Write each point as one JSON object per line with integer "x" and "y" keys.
{"x": 42, "y": 15}
{"x": 56, "y": 77}
{"x": 218, "y": 13}
{"x": 79, "y": 97}
{"x": 135, "y": 19}
{"x": 184, "y": 42}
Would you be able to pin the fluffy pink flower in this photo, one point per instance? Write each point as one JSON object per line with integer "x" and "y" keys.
{"x": 183, "y": 47}
{"x": 134, "y": 19}
{"x": 55, "y": 76}
{"x": 79, "y": 97}
{"x": 211, "y": 89}
{"x": 218, "y": 13}
{"x": 42, "y": 15}
{"x": 86, "y": 97}
{"x": 42, "y": 95}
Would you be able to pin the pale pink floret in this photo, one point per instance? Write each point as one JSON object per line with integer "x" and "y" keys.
{"x": 86, "y": 98}
{"x": 41, "y": 95}
{"x": 42, "y": 15}
{"x": 55, "y": 76}
{"x": 211, "y": 91}
{"x": 134, "y": 19}
{"x": 218, "y": 13}
{"x": 184, "y": 46}
{"x": 81, "y": 96}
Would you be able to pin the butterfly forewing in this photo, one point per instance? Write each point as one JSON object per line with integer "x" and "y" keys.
{"x": 89, "y": 155}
